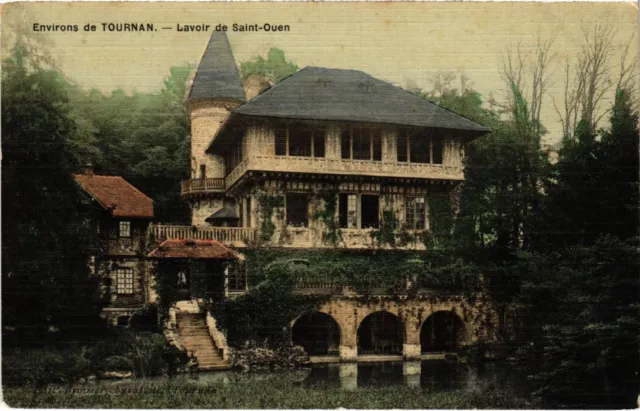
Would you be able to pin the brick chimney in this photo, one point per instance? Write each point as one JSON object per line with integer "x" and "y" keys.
{"x": 88, "y": 169}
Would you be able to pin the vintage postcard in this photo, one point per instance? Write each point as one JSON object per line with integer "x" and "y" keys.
{"x": 320, "y": 205}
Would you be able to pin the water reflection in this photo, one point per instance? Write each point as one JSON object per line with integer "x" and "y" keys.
{"x": 432, "y": 375}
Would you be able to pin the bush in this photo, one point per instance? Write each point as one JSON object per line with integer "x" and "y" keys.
{"x": 37, "y": 367}
{"x": 145, "y": 319}
{"x": 143, "y": 354}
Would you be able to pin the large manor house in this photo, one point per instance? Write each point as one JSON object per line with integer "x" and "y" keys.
{"x": 265, "y": 161}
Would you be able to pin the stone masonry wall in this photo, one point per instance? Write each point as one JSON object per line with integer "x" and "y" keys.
{"x": 480, "y": 319}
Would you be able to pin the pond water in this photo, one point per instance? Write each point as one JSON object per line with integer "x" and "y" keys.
{"x": 432, "y": 375}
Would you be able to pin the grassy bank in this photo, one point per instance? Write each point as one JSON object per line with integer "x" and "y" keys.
{"x": 280, "y": 393}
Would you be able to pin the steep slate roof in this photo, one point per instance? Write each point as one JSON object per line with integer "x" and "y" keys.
{"x": 205, "y": 249}
{"x": 317, "y": 93}
{"x": 217, "y": 75}
{"x": 116, "y": 194}
{"x": 224, "y": 213}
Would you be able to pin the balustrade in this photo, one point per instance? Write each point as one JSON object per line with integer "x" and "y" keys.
{"x": 228, "y": 235}
{"x": 203, "y": 185}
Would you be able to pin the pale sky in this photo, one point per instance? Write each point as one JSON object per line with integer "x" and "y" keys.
{"x": 396, "y": 42}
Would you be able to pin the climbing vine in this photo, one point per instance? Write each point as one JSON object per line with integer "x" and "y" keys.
{"x": 386, "y": 234}
{"x": 268, "y": 203}
{"x": 166, "y": 280}
{"x": 262, "y": 316}
{"x": 441, "y": 218}
{"x": 332, "y": 234}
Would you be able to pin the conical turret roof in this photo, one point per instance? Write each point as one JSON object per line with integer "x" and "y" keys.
{"x": 217, "y": 75}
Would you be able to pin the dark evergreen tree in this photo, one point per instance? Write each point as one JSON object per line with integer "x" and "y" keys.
{"x": 46, "y": 220}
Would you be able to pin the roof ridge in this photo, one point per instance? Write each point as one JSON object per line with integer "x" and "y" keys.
{"x": 429, "y": 101}
{"x": 135, "y": 188}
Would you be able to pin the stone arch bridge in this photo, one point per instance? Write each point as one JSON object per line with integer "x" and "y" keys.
{"x": 409, "y": 327}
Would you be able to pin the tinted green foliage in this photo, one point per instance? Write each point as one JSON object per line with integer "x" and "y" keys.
{"x": 47, "y": 223}
{"x": 274, "y": 68}
{"x": 584, "y": 316}
{"x": 142, "y": 137}
{"x": 262, "y": 315}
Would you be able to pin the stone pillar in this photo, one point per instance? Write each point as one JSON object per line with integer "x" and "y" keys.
{"x": 349, "y": 376}
{"x": 411, "y": 371}
{"x": 411, "y": 351}
{"x": 348, "y": 352}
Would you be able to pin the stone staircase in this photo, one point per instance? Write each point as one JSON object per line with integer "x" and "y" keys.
{"x": 194, "y": 336}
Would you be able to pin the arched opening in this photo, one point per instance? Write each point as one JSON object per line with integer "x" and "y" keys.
{"x": 318, "y": 333}
{"x": 380, "y": 333}
{"x": 442, "y": 331}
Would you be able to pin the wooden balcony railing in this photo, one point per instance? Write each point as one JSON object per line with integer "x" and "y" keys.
{"x": 228, "y": 235}
{"x": 203, "y": 185}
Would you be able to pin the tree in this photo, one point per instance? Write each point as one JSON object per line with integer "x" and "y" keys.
{"x": 581, "y": 289}
{"x": 46, "y": 220}
{"x": 584, "y": 323}
{"x": 589, "y": 77}
{"x": 274, "y": 68}
{"x": 595, "y": 189}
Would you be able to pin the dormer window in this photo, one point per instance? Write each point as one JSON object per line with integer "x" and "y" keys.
{"x": 124, "y": 229}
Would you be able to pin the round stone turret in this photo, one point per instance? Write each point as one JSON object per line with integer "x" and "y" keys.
{"x": 216, "y": 90}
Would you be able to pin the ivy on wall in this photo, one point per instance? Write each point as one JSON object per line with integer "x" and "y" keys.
{"x": 332, "y": 234}
{"x": 268, "y": 203}
{"x": 166, "y": 279}
{"x": 262, "y": 316}
{"x": 389, "y": 226}
{"x": 441, "y": 219}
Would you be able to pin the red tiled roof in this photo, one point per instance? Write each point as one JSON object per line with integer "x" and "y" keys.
{"x": 179, "y": 248}
{"x": 112, "y": 191}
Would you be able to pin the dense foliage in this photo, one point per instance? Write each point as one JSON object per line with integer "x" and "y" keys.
{"x": 560, "y": 241}
{"x": 274, "y": 68}
{"x": 47, "y": 224}
{"x": 262, "y": 316}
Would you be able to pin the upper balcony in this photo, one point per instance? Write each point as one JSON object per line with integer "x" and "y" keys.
{"x": 344, "y": 167}
{"x": 202, "y": 186}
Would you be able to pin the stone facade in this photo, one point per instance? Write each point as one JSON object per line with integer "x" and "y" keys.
{"x": 480, "y": 319}
{"x": 122, "y": 269}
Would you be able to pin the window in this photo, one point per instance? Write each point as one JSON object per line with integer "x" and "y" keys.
{"x": 124, "y": 280}
{"x": 370, "y": 208}
{"x": 358, "y": 211}
{"x": 420, "y": 147}
{"x": 124, "y": 229}
{"x": 403, "y": 148}
{"x": 233, "y": 157}
{"x": 347, "y": 213}
{"x": 358, "y": 143}
{"x": 297, "y": 209}
{"x": 415, "y": 215}
{"x": 281, "y": 142}
{"x": 203, "y": 171}
{"x": 437, "y": 146}
{"x": 236, "y": 277}
{"x": 299, "y": 140}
